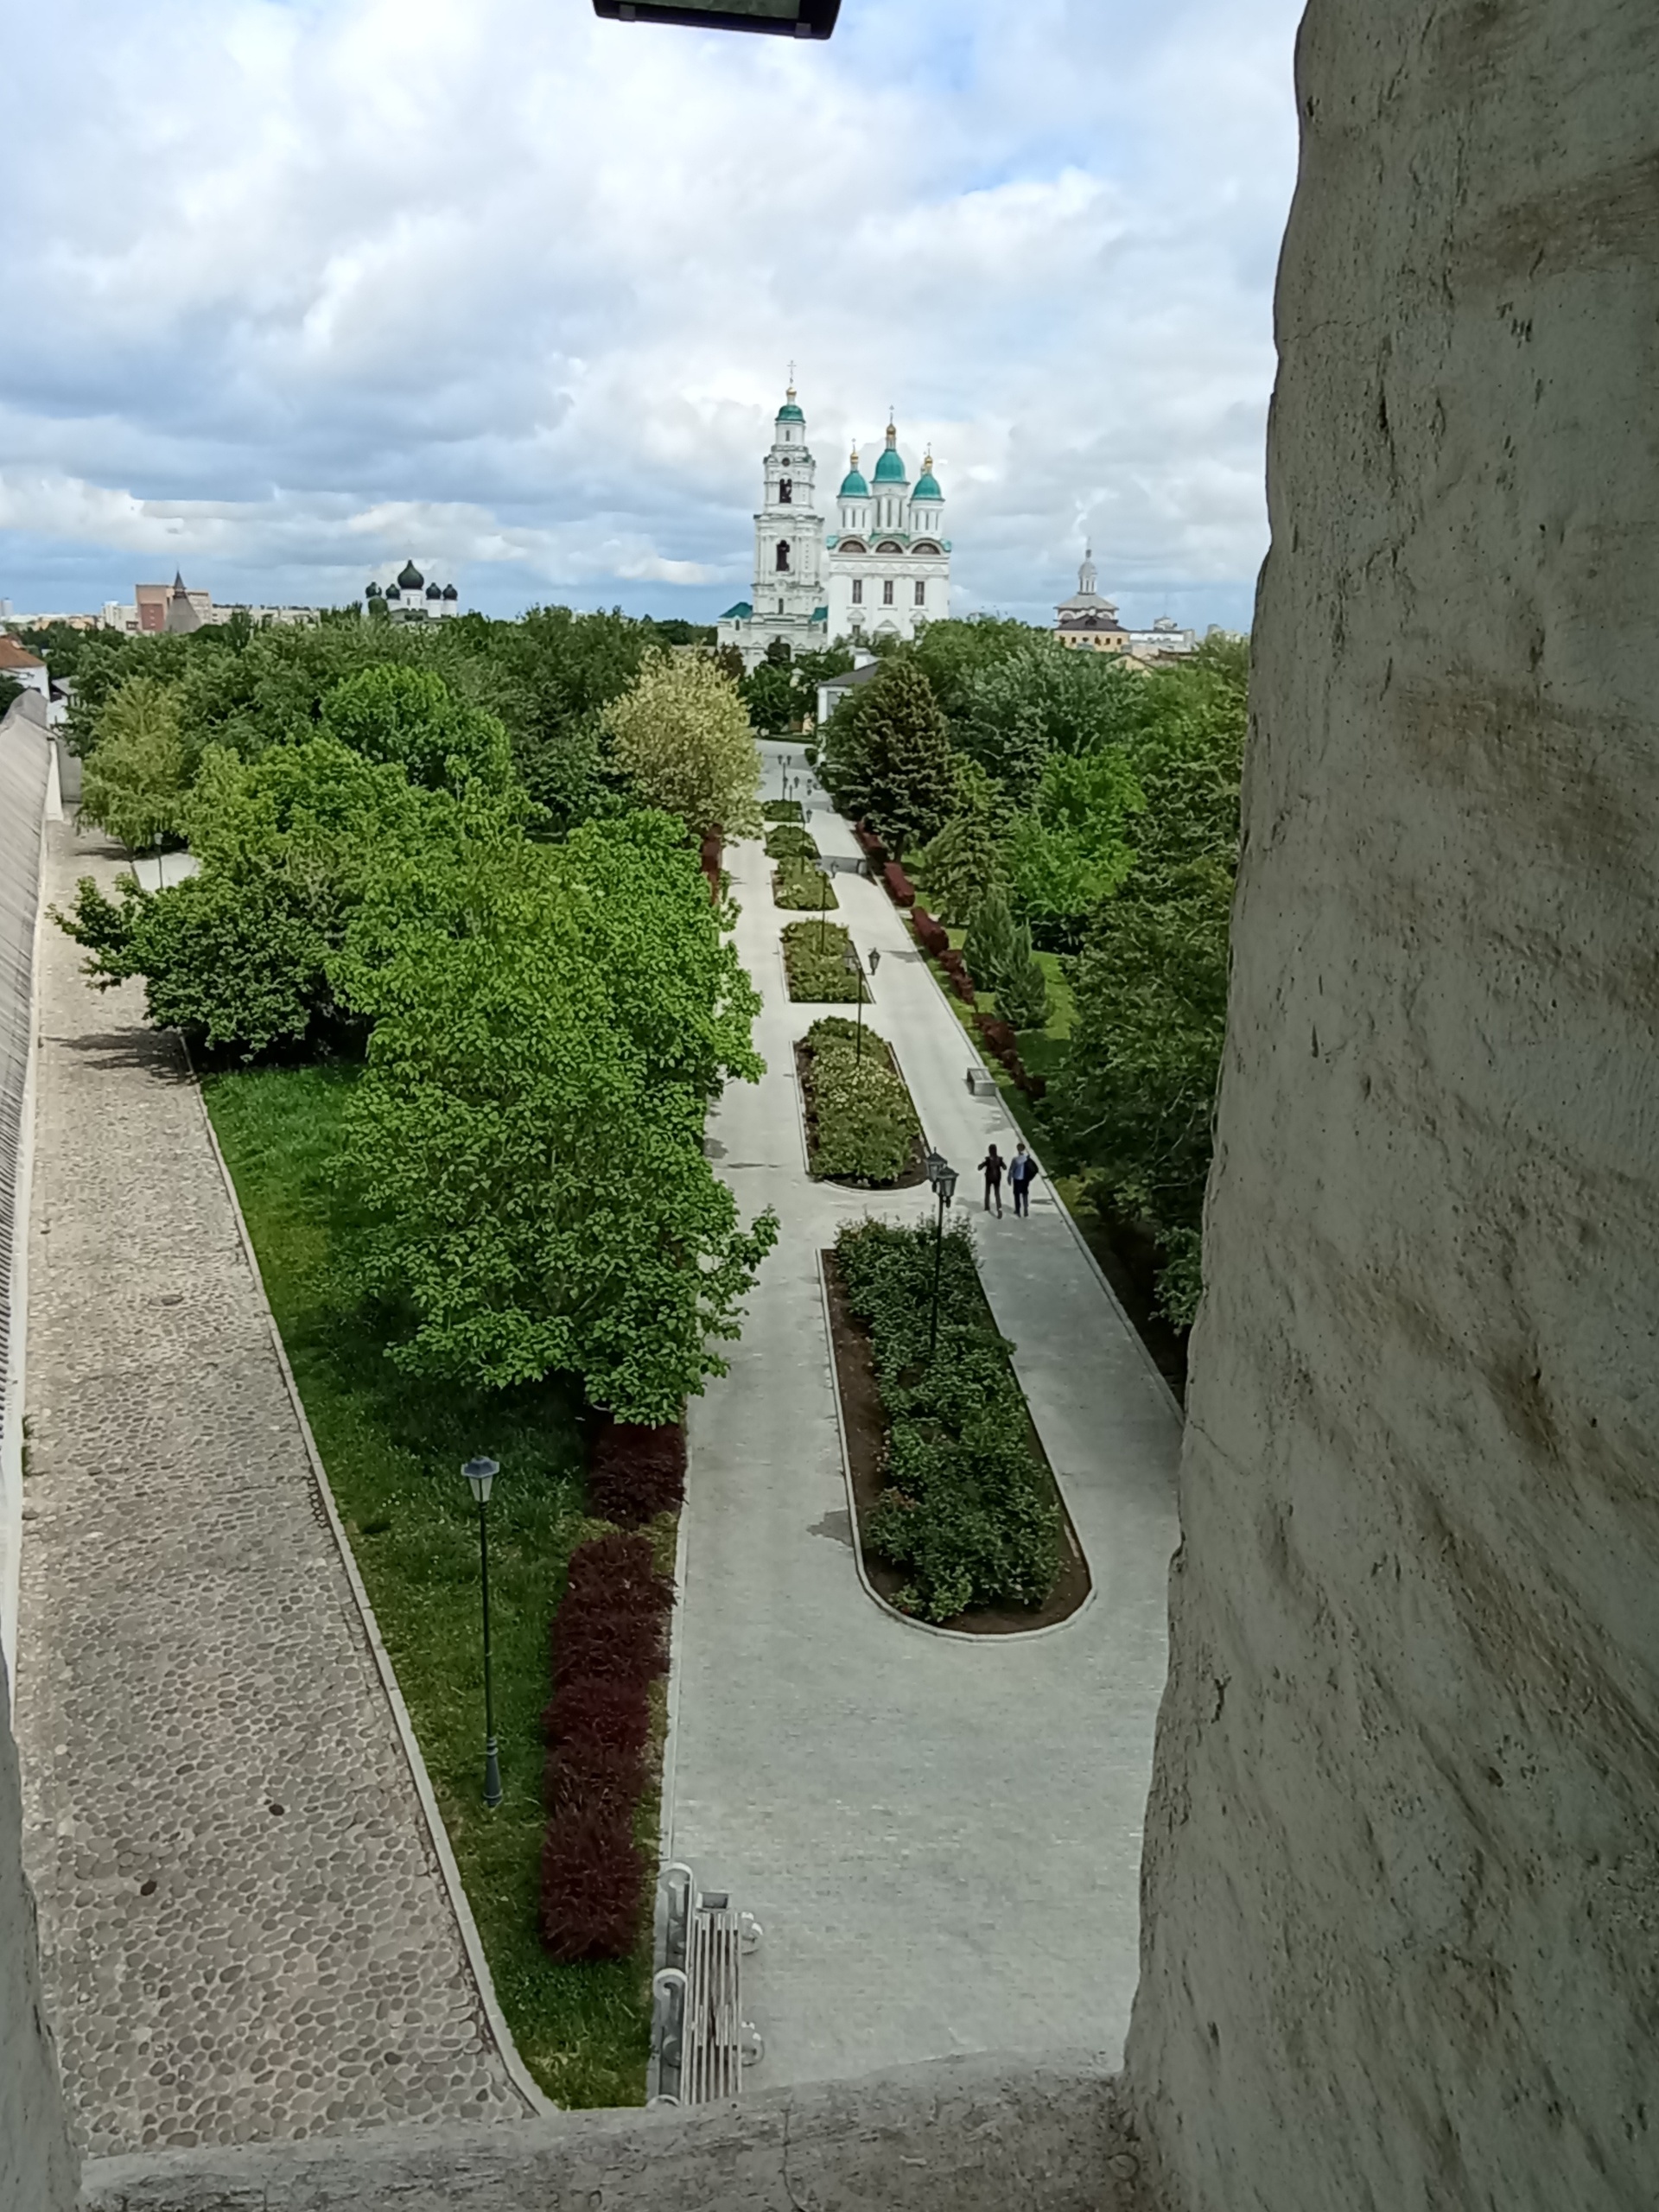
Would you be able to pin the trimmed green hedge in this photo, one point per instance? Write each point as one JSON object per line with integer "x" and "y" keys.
{"x": 862, "y": 1126}
{"x": 967, "y": 1506}
{"x": 800, "y": 884}
{"x": 815, "y": 961}
{"x": 786, "y": 842}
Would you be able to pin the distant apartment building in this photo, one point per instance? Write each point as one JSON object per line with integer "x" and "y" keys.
{"x": 173, "y": 610}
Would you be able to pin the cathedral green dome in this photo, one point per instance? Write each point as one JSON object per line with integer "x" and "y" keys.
{"x": 928, "y": 487}
{"x": 890, "y": 469}
{"x": 853, "y": 485}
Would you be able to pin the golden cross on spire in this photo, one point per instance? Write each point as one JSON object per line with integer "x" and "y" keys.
{"x": 792, "y": 380}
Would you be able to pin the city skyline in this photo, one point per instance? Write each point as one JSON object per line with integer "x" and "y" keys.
{"x": 300, "y": 321}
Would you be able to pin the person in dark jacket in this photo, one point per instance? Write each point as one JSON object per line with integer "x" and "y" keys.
{"x": 1022, "y": 1173}
{"x": 991, "y": 1167}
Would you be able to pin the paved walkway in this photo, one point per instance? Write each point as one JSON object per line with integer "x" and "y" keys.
{"x": 245, "y": 1936}
{"x": 942, "y": 1839}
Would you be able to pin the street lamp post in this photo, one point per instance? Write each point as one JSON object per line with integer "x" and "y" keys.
{"x": 943, "y": 1177}
{"x": 481, "y": 1474}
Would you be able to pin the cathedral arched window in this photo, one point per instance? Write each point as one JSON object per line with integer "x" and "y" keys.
{"x": 921, "y": 594}
{"x": 886, "y": 593}
{"x": 782, "y": 553}
{"x": 786, "y": 492}
{"x": 858, "y": 591}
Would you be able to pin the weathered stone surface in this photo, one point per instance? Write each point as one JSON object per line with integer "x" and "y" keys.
{"x": 1402, "y": 1881}
{"x": 245, "y": 1934}
{"x": 983, "y": 2135}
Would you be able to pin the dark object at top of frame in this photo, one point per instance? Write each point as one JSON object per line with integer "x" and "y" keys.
{"x": 781, "y": 18}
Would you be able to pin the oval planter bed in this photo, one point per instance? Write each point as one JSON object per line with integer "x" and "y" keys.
{"x": 959, "y": 1520}
{"x": 861, "y": 1127}
{"x": 815, "y": 961}
{"x": 802, "y": 884}
{"x": 787, "y": 841}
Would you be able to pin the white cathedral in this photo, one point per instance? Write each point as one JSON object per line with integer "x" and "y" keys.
{"x": 883, "y": 571}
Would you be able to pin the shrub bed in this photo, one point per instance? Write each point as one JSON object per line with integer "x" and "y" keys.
{"x": 783, "y": 810}
{"x": 636, "y": 1472}
{"x": 861, "y": 1124}
{"x": 814, "y": 959}
{"x": 610, "y": 1643}
{"x": 900, "y": 889}
{"x": 787, "y": 842}
{"x": 874, "y": 850}
{"x": 966, "y": 1507}
{"x": 801, "y": 883}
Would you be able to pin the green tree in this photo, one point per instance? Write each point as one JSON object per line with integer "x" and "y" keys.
{"x": 531, "y": 1141}
{"x": 908, "y": 773}
{"x": 769, "y": 691}
{"x": 410, "y": 716}
{"x": 10, "y": 688}
{"x": 1134, "y": 1101}
{"x": 135, "y": 782}
{"x": 964, "y": 864}
{"x": 1038, "y": 700}
{"x": 992, "y": 943}
{"x": 681, "y": 735}
{"x": 1071, "y": 849}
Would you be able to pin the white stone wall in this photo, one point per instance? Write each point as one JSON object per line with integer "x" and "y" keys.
{"x": 1400, "y": 1944}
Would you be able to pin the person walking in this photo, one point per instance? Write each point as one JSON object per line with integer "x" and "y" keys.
{"x": 1022, "y": 1173}
{"x": 991, "y": 1167}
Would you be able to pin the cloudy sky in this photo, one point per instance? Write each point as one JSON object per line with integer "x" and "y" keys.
{"x": 297, "y": 287}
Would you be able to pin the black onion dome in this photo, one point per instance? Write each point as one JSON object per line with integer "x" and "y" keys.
{"x": 410, "y": 578}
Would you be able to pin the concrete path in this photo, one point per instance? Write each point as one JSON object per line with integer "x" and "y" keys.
{"x": 245, "y": 1936}
{"x": 941, "y": 1838}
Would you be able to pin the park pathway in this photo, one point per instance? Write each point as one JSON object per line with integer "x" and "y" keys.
{"x": 941, "y": 1837}
{"x": 245, "y": 1934}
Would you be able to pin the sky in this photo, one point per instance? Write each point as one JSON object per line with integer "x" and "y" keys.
{"x": 296, "y": 290}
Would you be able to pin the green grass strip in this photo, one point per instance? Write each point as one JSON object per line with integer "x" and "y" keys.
{"x": 394, "y": 1449}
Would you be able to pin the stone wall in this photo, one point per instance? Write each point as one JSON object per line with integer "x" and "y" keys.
{"x": 1401, "y": 1881}
{"x": 36, "y": 2169}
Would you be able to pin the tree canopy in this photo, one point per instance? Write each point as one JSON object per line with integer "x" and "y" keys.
{"x": 681, "y": 735}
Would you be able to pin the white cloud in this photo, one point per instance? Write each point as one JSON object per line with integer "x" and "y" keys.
{"x": 319, "y": 284}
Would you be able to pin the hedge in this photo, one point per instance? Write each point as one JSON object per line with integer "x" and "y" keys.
{"x": 862, "y": 1126}
{"x": 610, "y": 1643}
{"x": 798, "y": 884}
{"x": 783, "y": 810}
{"x": 900, "y": 889}
{"x": 636, "y": 1472}
{"x": 786, "y": 842}
{"x": 929, "y": 933}
{"x": 814, "y": 961}
{"x": 966, "y": 1507}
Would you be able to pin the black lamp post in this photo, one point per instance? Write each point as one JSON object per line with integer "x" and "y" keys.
{"x": 481, "y": 1474}
{"x": 943, "y": 1177}
{"x": 782, "y": 18}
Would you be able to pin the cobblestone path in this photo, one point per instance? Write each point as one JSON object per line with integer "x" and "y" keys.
{"x": 245, "y": 1934}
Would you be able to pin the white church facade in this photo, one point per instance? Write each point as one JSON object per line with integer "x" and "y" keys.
{"x": 882, "y": 570}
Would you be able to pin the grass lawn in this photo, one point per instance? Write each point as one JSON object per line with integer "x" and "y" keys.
{"x": 393, "y": 1449}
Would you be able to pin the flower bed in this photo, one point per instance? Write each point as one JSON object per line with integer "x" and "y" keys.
{"x": 610, "y": 1644}
{"x": 860, "y": 1125}
{"x": 814, "y": 962}
{"x": 967, "y": 1509}
{"x": 789, "y": 843}
{"x": 802, "y": 885}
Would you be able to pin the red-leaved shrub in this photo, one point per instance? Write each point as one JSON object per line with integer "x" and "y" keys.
{"x": 619, "y": 1571}
{"x": 997, "y": 1033}
{"x": 900, "y": 889}
{"x": 930, "y": 934}
{"x": 636, "y": 1472}
{"x": 591, "y": 1642}
{"x": 593, "y": 1885}
{"x": 601, "y": 1709}
{"x": 952, "y": 961}
{"x": 961, "y": 985}
{"x": 1034, "y": 1086}
{"x": 581, "y": 1774}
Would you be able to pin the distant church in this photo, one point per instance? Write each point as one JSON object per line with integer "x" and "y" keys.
{"x": 412, "y": 598}
{"x": 883, "y": 571}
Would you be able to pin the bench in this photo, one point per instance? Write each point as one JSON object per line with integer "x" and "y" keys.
{"x": 701, "y": 2042}
{"x": 982, "y": 1083}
